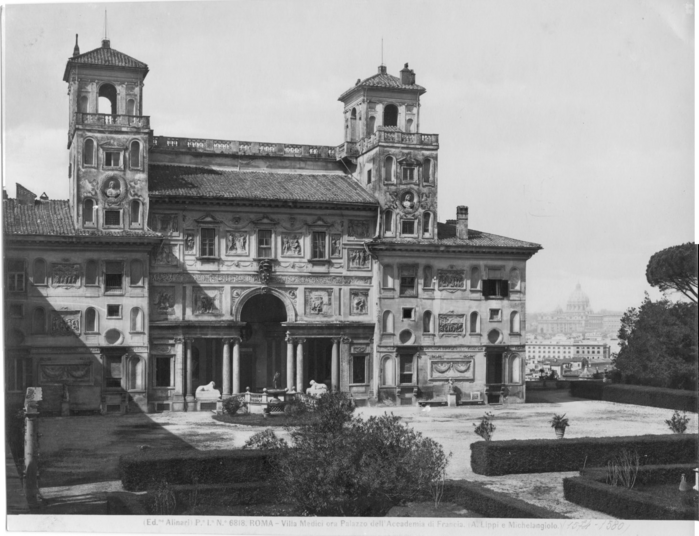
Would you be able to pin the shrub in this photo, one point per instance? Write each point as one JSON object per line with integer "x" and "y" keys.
{"x": 233, "y": 404}
{"x": 545, "y": 455}
{"x": 678, "y": 423}
{"x": 295, "y": 407}
{"x": 147, "y": 469}
{"x": 164, "y": 501}
{"x": 265, "y": 440}
{"x": 486, "y": 427}
{"x": 623, "y": 469}
{"x": 334, "y": 410}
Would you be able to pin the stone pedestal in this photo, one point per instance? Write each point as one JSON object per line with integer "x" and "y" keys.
{"x": 451, "y": 399}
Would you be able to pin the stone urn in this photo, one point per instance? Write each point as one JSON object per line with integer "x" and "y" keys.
{"x": 560, "y": 432}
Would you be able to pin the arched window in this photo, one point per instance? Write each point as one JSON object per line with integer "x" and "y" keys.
{"x": 135, "y": 155}
{"x": 39, "y": 272}
{"x": 91, "y": 321}
{"x": 389, "y": 169}
{"x": 91, "y": 273}
{"x": 427, "y": 322}
{"x": 83, "y": 104}
{"x": 136, "y": 273}
{"x": 514, "y": 369}
{"x": 39, "y": 321}
{"x": 353, "y": 124}
{"x": 136, "y": 217}
{"x": 388, "y": 222}
{"x": 514, "y": 322}
{"x": 388, "y": 370}
{"x": 136, "y": 371}
{"x": 427, "y": 224}
{"x": 131, "y": 107}
{"x": 107, "y": 102}
{"x": 515, "y": 279}
{"x": 89, "y": 153}
{"x": 388, "y": 277}
{"x": 387, "y": 322}
{"x": 390, "y": 116}
{"x": 427, "y": 277}
{"x": 371, "y": 125}
{"x": 475, "y": 278}
{"x": 136, "y": 320}
{"x": 427, "y": 171}
{"x": 409, "y": 125}
{"x": 89, "y": 212}
{"x": 474, "y": 323}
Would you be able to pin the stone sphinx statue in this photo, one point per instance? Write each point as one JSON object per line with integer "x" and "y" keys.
{"x": 316, "y": 389}
{"x": 207, "y": 392}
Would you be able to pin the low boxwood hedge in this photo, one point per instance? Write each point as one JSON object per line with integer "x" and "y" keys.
{"x": 591, "y": 491}
{"x": 640, "y": 395}
{"x": 556, "y": 455}
{"x": 144, "y": 470}
{"x": 477, "y": 498}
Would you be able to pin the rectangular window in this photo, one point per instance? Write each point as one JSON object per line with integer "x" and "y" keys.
{"x": 207, "y": 242}
{"x": 368, "y": 176}
{"x": 15, "y": 275}
{"x": 407, "y": 285}
{"x": 406, "y": 369}
{"x": 16, "y": 310}
{"x": 495, "y": 315}
{"x": 113, "y": 372}
{"x": 408, "y": 313}
{"x": 495, "y": 288}
{"x": 112, "y": 159}
{"x": 407, "y": 227}
{"x": 264, "y": 244}
{"x": 163, "y": 372}
{"x": 112, "y": 218}
{"x": 114, "y": 277}
{"x": 18, "y": 374}
{"x": 408, "y": 174}
{"x": 319, "y": 246}
{"x": 113, "y": 311}
{"x": 359, "y": 369}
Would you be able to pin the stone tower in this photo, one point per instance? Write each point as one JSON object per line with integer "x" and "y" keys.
{"x": 393, "y": 159}
{"x": 108, "y": 140}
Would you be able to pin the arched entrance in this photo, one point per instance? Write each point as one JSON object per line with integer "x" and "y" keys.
{"x": 263, "y": 351}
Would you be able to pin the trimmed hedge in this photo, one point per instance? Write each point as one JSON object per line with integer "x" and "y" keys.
{"x": 591, "y": 491}
{"x": 640, "y": 395}
{"x": 557, "y": 455}
{"x": 144, "y": 470}
{"x": 477, "y": 498}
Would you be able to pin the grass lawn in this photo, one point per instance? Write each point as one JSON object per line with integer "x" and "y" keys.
{"x": 274, "y": 419}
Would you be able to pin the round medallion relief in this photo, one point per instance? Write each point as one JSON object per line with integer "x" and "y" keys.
{"x": 408, "y": 201}
{"x": 113, "y": 189}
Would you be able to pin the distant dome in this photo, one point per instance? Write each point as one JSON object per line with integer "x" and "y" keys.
{"x": 578, "y": 300}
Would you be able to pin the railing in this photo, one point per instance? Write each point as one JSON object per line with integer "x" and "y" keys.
{"x": 243, "y": 147}
{"x": 355, "y": 148}
{"x": 107, "y": 120}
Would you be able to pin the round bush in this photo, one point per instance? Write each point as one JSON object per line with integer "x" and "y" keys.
{"x": 232, "y": 405}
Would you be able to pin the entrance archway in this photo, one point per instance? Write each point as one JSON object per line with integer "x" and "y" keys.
{"x": 263, "y": 350}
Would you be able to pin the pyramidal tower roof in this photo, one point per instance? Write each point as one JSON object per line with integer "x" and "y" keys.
{"x": 105, "y": 56}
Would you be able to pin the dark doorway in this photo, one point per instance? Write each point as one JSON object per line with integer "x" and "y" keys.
{"x": 263, "y": 353}
{"x": 319, "y": 362}
{"x": 493, "y": 373}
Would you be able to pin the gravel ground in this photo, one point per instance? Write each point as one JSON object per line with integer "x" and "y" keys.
{"x": 79, "y": 455}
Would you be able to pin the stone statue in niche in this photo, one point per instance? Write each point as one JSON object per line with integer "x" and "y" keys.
{"x": 408, "y": 201}
{"x": 113, "y": 189}
{"x": 358, "y": 258}
{"x": 189, "y": 242}
{"x": 237, "y": 243}
{"x": 336, "y": 245}
{"x": 291, "y": 245}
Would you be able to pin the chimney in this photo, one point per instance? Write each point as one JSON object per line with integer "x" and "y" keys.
{"x": 106, "y": 43}
{"x": 462, "y": 222}
{"x": 382, "y": 69}
{"x": 407, "y": 76}
{"x": 76, "y": 50}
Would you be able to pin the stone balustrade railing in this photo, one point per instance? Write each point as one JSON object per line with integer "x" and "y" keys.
{"x": 107, "y": 120}
{"x": 242, "y": 147}
{"x": 355, "y": 148}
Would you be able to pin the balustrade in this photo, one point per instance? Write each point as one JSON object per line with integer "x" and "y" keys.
{"x": 107, "y": 120}
{"x": 243, "y": 147}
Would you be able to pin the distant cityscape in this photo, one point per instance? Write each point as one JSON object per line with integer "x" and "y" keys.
{"x": 575, "y": 343}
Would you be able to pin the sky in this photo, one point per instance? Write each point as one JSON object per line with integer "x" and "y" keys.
{"x": 565, "y": 123}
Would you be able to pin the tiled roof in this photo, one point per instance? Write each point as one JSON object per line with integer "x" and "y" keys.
{"x": 51, "y": 218}
{"x": 384, "y": 80}
{"x": 208, "y": 182}
{"x": 446, "y": 236}
{"x": 104, "y": 56}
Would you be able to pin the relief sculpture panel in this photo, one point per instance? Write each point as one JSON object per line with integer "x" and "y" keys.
{"x": 207, "y": 301}
{"x": 359, "y": 302}
{"x": 236, "y": 243}
{"x": 451, "y": 324}
{"x": 451, "y": 280}
{"x": 451, "y": 369}
{"x": 162, "y": 302}
{"x": 319, "y": 302}
{"x": 65, "y": 275}
{"x": 65, "y": 323}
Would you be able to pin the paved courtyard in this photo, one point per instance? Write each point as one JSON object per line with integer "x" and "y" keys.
{"x": 79, "y": 455}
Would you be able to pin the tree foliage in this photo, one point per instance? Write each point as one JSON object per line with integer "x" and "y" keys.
{"x": 675, "y": 269}
{"x": 658, "y": 345}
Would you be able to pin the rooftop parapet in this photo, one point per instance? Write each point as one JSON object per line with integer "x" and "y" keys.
{"x": 286, "y": 150}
